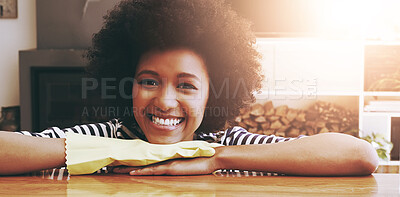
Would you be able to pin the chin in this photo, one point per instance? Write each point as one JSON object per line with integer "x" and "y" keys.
{"x": 164, "y": 141}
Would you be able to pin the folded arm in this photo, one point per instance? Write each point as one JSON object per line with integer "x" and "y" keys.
{"x": 21, "y": 154}
{"x": 330, "y": 154}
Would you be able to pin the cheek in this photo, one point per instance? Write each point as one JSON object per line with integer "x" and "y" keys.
{"x": 195, "y": 109}
{"x": 204, "y": 96}
{"x": 139, "y": 100}
{"x": 197, "y": 106}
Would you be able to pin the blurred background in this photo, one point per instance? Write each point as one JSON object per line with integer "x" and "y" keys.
{"x": 330, "y": 66}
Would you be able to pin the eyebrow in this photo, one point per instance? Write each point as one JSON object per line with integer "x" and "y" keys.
{"x": 182, "y": 75}
{"x": 148, "y": 72}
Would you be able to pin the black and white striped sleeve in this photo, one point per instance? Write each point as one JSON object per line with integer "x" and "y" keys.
{"x": 240, "y": 136}
{"x": 105, "y": 129}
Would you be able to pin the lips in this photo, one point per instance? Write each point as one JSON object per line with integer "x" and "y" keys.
{"x": 165, "y": 121}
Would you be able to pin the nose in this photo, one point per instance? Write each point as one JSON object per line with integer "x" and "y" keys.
{"x": 167, "y": 98}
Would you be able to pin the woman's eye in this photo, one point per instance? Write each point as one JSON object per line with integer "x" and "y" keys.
{"x": 149, "y": 83}
{"x": 186, "y": 86}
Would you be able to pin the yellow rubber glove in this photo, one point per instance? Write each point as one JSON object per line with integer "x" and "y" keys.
{"x": 87, "y": 154}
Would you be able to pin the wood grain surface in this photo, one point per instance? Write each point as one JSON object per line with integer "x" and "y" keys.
{"x": 207, "y": 185}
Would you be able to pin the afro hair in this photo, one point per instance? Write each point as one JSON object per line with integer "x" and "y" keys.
{"x": 210, "y": 28}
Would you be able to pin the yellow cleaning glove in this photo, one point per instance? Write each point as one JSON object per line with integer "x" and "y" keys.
{"x": 87, "y": 154}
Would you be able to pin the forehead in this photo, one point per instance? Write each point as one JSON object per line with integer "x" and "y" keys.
{"x": 173, "y": 62}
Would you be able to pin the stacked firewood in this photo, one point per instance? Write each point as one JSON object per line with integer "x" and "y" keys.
{"x": 321, "y": 117}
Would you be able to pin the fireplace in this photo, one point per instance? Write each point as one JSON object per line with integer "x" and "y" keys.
{"x": 57, "y": 98}
{"x": 51, "y": 90}
{"x": 51, "y": 75}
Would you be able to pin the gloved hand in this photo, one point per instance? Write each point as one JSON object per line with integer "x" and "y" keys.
{"x": 86, "y": 154}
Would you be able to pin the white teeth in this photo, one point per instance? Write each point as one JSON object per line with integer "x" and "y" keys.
{"x": 165, "y": 122}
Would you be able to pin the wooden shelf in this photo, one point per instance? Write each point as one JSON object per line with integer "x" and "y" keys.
{"x": 390, "y": 114}
{"x": 388, "y": 167}
{"x": 381, "y": 93}
{"x": 293, "y": 93}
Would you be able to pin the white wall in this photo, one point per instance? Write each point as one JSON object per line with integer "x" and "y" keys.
{"x": 15, "y": 34}
{"x": 299, "y": 71}
{"x": 336, "y": 66}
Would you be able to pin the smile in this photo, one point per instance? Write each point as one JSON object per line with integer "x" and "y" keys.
{"x": 165, "y": 121}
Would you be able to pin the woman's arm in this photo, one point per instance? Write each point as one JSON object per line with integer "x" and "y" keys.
{"x": 22, "y": 154}
{"x": 330, "y": 154}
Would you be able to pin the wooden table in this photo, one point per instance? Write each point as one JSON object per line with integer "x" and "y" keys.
{"x": 207, "y": 185}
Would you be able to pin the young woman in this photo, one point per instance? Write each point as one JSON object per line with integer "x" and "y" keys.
{"x": 187, "y": 59}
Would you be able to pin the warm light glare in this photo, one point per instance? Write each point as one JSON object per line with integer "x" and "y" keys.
{"x": 309, "y": 67}
{"x": 369, "y": 19}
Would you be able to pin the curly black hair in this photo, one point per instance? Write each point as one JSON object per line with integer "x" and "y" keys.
{"x": 208, "y": 27}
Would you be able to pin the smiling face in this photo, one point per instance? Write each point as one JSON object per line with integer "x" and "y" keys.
{"x": 170, "y": 93}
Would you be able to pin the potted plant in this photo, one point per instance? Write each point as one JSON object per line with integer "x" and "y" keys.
{"x": 381, "y": 145}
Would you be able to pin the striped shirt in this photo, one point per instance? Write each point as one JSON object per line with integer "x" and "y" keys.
{"x": 114, "y": 129}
